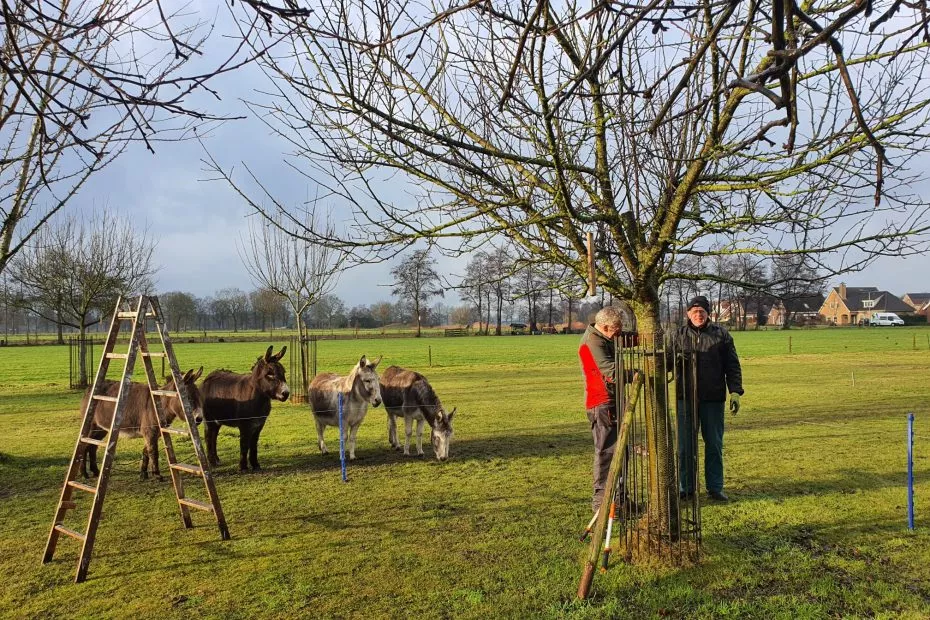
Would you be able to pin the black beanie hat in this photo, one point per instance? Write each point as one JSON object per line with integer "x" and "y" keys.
{"x": 699, "y": 302}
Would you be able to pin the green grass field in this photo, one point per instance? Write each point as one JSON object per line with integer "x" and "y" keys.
{"x": 816, "y": 468}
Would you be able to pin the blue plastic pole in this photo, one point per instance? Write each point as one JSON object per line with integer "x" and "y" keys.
{"x": 342, "y": 443}
{"x": 910, "y": 471}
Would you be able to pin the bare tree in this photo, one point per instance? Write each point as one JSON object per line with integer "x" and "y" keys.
{"x": 180, "y": 309}
{"x": 73, "y": 271}
{"x": 82, "y": 80}
{"x": 666, "y": 130}
{"x": 299, "y": 271}
{"x": 231, "y": 304}
{"x": 383, "y": 312}
{"x": 416, "y": 281}
{"x": 268, "y": 306}
{"x": 794, "y": 278}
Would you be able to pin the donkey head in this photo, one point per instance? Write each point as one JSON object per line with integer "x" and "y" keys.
{"x": 366, "y": 380}
{"x": 173, "y": 405}
{"x": 268, "y": 375}
{"x": 441, "y": 435}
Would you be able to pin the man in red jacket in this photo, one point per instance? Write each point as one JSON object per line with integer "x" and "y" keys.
{"x": 599, "y": 367}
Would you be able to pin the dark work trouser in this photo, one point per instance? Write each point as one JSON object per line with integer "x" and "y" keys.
{"x": 710, "y": 419}
{"x": 603, "y": 419}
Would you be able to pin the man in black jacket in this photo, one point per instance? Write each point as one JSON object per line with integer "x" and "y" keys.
{"x": 710, "y": 347}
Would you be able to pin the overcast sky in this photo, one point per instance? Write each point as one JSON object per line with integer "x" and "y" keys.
{"x": 197, "y": 222}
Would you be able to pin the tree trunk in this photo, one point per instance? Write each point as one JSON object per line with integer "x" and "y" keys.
{"x": 82, "y": 355}
{"x": 662, "y": 478}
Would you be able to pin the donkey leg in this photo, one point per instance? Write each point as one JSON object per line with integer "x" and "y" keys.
{"x": 151, "y": 444}
{"x": 245, "y": 437}
{"x": 420, "y": 437}
{"x": 319, "y": 433}
{"x": 144, "y": 467}
{"x": 213, "y": 429}
{"x": 352, "y": 431}
{"x": 89, "y": 460}
{"x": 392, "y": 431}
{"x": 253, "y": 447}
{"x": 408, "y": 429}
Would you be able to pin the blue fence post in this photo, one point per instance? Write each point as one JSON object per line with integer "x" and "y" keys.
{"x": 910, "y": 471}
{"x": 342, "y": 443}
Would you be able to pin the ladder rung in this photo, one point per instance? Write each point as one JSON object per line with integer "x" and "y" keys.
{"x": 154, "y": 354}
{"x": 83, "y": 487}
{"x": 61, "y": 528}
{"x": 174, "y": 431}
{"x": 132, "y": 315}
{"x": 109, "y": 399}
{"x": 189, "y": 469}
{"x": 118, "y": 356}
{"x": 96, "y": 442}
{"x": 164, "y": 392}
{"x": 193, "y": 503}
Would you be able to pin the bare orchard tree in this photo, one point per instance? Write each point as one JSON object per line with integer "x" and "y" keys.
{"x": 664, "y": 129}
{"x": 73, "y": 270}
{"x": 81, "y": 80}
{"x": 416, "y": 281}
{"x": 300, "y": 272}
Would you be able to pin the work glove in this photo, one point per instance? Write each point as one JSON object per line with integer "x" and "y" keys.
{"x": 734, "y": 403}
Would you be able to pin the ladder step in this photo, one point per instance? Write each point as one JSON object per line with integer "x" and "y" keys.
{"x": 154, "y": 354}
{"x": 132, "y": 315}
{"x": 174, "y": 431}
{"x": 117, "y": 356}
{"x": 189, "y": 469}
{"x": 109, "y": 399}
{"x": 193, "y": 503}
{"x": 83, "y": 487}
{"x": 97, "y": 442}
{"x": 67, "y": 532}
{"x": 165, "y": 392}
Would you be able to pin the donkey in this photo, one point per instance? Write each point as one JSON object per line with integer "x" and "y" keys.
{"x": 359, "y": 389}
{"x": 409, "y": 395}
{"x": 243, "y": 401}
{"x": 140, "y": 418}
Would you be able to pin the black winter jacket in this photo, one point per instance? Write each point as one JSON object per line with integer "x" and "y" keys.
{"x": 718, "y": 368}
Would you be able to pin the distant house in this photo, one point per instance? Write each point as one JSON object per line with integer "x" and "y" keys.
{"x": 754, "y": 311}
{"x": 916, "y": 300}
{"x": 925, "y": 311}
{"x": 802, "y": 310}
{"x": 849, "y": 305}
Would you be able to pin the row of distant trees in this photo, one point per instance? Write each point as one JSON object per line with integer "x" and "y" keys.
{"x": 69, "y": 278}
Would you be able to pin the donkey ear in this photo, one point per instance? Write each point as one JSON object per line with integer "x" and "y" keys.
{"x": 268, "y": 353}
{"x": 187, "y": 376}
{"x": 375, "y": 363}
{"x": 363, "y": 361}
{"x": 280, "y": 353}
{"x": 451, "y": 413}
{"x": 197, "y": 374}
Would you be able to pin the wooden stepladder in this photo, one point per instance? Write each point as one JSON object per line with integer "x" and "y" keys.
{"x": 147, "y": 308}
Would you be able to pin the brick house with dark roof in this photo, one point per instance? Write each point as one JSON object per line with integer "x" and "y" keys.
{"x": 916, "y": 300}
{"x": 802, "y": 309}
{"x": 848, "y": 305}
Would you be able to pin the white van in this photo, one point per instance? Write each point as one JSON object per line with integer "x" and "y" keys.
{"x": 889, "y": 319}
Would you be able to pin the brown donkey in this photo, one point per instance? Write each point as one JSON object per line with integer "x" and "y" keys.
{"x": 140, "y": 419}
{"x": 408, "y": 395}
{"x": 243, "y": 401}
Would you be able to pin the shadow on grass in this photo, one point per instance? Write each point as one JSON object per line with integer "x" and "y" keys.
{"x": 846, "y": 481}
{"x": 561, "y": 440}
